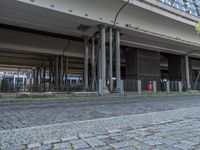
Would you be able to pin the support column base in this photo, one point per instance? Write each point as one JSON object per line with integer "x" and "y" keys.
{"x": 106, "y": 91}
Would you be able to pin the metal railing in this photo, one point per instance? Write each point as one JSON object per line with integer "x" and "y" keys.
{"x": 41, "y": 88}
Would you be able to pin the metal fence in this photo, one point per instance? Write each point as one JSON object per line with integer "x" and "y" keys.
{"x": 41, "y": 88}
{"x": 174, "y": 86}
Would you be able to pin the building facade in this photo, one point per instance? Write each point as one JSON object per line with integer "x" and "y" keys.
{"x": 104, "y": 45}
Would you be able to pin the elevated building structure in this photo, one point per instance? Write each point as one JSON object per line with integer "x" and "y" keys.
{"x": 102, "y": 42}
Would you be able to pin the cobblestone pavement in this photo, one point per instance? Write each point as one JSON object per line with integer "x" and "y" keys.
{"x": 168, "y": 130}
{"x": 26, "y": 114}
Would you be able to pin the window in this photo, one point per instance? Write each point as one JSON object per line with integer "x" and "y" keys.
{"x": 178, "y": 4}
{"x": 191, "y": 8}
{"x": 166, "y": 2}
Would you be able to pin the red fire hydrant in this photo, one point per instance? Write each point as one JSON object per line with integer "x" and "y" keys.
{"x": 150, "y": 87}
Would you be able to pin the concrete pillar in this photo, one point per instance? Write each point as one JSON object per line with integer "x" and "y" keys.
{"x": 44, "y": 75}
{"x": 118, "y": 69}
{"x": 103, "y": 55}
{"x": 99, "y": 61}
{"x": 93, "y": 64}
{"x": 180, "y": 88}
{"x": 154, "y": 86}
{"x": 61, "y": 73}
{"x": 40, "y": 75}
{"x": 111, "y": 59}
{"x": 99, "y": 68}
{"x": 44, "y": 80}
{"x": 86, "y": 64}
{"x": 187, "y": 73}
{"x": 66, "y": 73}
{"x": 14, "y": 80}
{"x": 57, "y": 72}
{"x": 50, "y": 76}
{"x": 168, "y": 86}
{"x": 37, "y": 76}
{"x": 33, "y": 76}
{"x": 139, "y": 86}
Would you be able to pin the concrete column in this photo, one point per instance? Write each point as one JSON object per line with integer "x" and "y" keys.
{"x": 61, "y": 73}
{"x": 168, "y": 86}
{"x": 37, "y": 75}
{"x": 66, "y": 74}
{"x": 44, "y": 75}
{"x": 103, "y": 55}
{"x": 86, "y": 64}
{"x": 57, "y": 72}
{"x": 40, "y": 74}
{"x": 99, "y": 61}
{"x": 33, "y": 76}
{"x": 180, "y": 88}
{"x": 93, "y": 64}
{"x": 99, "y": 68}
{"x": 154, "y": 86}
{"x": 118, "y": 67}
{"x": 139, "y": 86}
{"x": 50, "y": 76}
{"x": 14, "y": 80}
{"x": 44, "y": 81}
{"x": 111, "y": 59}
{"x": 187, "y": 73}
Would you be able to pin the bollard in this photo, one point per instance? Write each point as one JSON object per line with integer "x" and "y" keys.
{"x": 139, "y": 87}
{"x": 154, "y": 87}
{"x": 168, "y": 87}
{"x": 180, "y": 88}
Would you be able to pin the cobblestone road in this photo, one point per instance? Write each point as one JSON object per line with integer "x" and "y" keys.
{"x": 180, "y": 135}
{"x": 25, "y": 114}
{"x": 168, "y": 130}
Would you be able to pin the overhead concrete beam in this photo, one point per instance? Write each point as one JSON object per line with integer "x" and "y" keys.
{"x": 90, "y": 12}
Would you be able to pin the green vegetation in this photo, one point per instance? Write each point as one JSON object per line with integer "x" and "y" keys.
{"x": 197, "y": 27}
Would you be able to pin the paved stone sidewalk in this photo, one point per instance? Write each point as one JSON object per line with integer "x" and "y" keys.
{"x": 170, "y": 130}
{"x": 26, "y": 114}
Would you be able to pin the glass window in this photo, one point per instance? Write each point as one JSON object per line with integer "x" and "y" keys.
{"x": 191, "y": 8}
{"x": 197, "y": 3}
{"x": 178, "y": 4}
{"x": 166, "y": 1}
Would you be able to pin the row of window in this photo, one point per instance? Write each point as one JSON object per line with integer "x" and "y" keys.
{"x": 190, "y": 6}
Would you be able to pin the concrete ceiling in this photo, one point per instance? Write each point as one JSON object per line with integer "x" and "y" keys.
{"x": 29, "y": 16}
